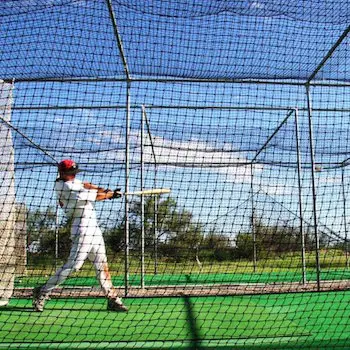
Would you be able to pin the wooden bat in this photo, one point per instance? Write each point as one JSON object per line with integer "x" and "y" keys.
{"x": 148, "y": 192}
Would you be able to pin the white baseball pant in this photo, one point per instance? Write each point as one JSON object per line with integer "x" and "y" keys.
{"x": 87, "y": 243}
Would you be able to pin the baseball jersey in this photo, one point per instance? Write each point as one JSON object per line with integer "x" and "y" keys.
{"x": 76, "y": 200}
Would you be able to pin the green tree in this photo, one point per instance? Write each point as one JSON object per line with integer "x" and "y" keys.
{"x": 244, "y": 246}
{"x": 177, "y": 233}
{"x": 271, "y": 240}
{"x": 64, "y": 241}
{"x": 41, "y": 229}
{"x": 115, "y": 238}
{"x": 216, "y": 246}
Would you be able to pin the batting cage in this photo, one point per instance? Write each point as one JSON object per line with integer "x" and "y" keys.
{"x": 174, "y": 174}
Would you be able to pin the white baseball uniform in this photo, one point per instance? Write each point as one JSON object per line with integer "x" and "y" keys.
{"x": 86, "y": 236}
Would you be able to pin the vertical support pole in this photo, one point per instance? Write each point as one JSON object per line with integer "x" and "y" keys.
{"x": 127, "y": 131}
{"x": 142, "y": 200}
{"x": 345, "y": 224}
{"x": 156, "y": 198}
{"x": 314, "y": 196}
{"x": 253, "y": 220}
{"x": 127, "y": 175}
{"x": 21, "y": 240}
{"x": 301, "y": 223}
{"x": 155, "y": 233}
{"x": 57, "y": 222}
{"x": 155, "y": 219}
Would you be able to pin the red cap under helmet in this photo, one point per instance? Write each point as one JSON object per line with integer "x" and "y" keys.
{"x": 68, "y": 166}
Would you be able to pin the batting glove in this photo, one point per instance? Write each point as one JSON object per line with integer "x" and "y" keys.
{"x": 117, "y": 193}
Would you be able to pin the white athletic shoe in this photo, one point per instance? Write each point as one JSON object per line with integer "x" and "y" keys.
{"x": 115, "y": 304}
{"x": 4, "y": 302}
{"x": 39, "y": 299}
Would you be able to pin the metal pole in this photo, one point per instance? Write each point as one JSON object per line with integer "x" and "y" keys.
{"x": 127, "y": 132}
{"x": 273, "y": 134}
{"x": 142, "y": 202}
{"x": 207, "y": 107}
{"x": 34, "y": 144}
{"x": 178, "y": 80}
{"x": 314, "y": 196}
{"x": 56, "y": 236}
{"x": 345, "y": 225}
{"x": 156, "y": 198}
{"x": 302, "y": 234}
{"x": 118, "y": 38}
{"x": 127, "y": 175}
{"x": 253, "y": 220}
{"x": 329, "y": 54}
{"x": 290, "y": 112}
{"x": 155, "y": 232}
{"x": 155, "y": 221}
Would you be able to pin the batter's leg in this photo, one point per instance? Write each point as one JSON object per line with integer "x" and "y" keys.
{"x": 98, "y": 257}
{"x": 78, "y": 254}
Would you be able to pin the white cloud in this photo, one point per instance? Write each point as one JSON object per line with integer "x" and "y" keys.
{"x": 256, "y": 5}
{"x": 330, "y": 180}
{"x": 277, "y": 190}
{"x": 199, "y": 154}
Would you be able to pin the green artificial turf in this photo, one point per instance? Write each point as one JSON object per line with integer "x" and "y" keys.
{"x": 194, "y": 278}
{"x": 308, "y": 320}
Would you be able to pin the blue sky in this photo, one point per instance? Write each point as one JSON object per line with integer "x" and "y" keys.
{"x": 197, "y": 40}
{"x": 219, "y": 196}
{"x": 212, "y": 39}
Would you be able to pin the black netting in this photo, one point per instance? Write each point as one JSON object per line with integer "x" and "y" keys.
{"x": 234, "y": 114}
{"x": 214, "y": 40}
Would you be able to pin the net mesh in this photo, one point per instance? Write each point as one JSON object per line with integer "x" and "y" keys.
{"x": 240, "y": 109}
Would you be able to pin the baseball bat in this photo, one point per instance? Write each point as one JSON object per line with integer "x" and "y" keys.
{"x": 148, "y": 192}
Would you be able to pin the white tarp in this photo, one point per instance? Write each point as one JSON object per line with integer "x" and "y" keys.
{"x": 7, "y": 196}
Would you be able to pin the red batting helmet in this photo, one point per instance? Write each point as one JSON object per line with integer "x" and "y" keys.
{"x": 68, "y": 166}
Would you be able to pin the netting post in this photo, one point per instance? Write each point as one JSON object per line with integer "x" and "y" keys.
{"x": 21, "y": 239}
{"x": 301, "y": 227}
{"x": 344, "y": 214}
{"x": 156, "y": 198}
{"x": 314, "y": 195}
{"x": 127, "y": 175}
{"x": 142, "y": 200}
{"x": 127, "y": 131}
{"x": 155, "y": 233}
{"x": 56, "y": 235}
{"x": 253, "y": 219}
{"x": 290, "y": 112}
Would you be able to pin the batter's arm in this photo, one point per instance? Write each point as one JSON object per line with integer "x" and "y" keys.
{"x": 101, "y": 196}
{"x": 90, "y": 186}
{"x": 102, "y": 193}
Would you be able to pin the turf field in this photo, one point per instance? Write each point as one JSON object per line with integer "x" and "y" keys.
{"x": 277, "y": 321}
{"x": 191, "y": 278}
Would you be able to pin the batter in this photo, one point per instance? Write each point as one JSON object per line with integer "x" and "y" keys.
{"x": 76, "y": 198}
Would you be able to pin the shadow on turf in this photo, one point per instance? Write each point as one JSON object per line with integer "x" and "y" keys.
{"x": 192, "y": 324}
{"x": 31, "y": 309}
{"x": 16, "y": 308}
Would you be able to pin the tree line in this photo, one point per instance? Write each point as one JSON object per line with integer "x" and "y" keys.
{"x": 177, "y": 235}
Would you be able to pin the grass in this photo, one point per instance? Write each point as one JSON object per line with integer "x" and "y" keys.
{"x": 329, "y": 259}
{"x": 88, "y": 279}
{"x": 277, "y": 269}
